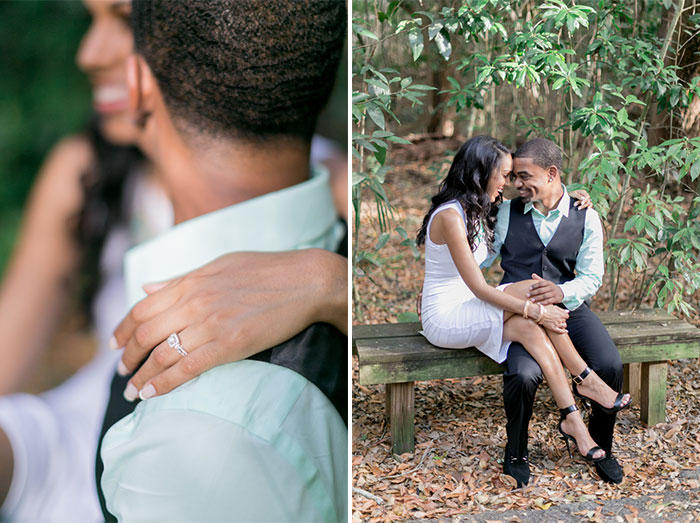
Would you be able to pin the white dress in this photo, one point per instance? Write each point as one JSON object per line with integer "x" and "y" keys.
{"x": 452, "y": 316}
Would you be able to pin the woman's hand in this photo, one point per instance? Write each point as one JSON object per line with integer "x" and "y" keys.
{"x": 555, "y": 319}
{"x": 236, "y": 306}
{"x": 583, "y": 199}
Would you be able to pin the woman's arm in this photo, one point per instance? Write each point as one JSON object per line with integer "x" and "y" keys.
{"x": 231, "y": 308}
{"x": 35, "y": 285}
{"x": 448, "y": 227}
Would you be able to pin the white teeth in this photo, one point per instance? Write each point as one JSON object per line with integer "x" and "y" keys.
{"x": 108, "y": 94}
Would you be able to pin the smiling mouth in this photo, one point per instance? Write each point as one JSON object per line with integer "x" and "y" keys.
{"x": 110, "y": 98}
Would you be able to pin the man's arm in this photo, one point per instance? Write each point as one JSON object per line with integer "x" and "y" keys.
{"x": 590, "y": 265}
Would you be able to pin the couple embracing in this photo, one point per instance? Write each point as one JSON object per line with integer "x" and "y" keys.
{"x": 538, "y": 320}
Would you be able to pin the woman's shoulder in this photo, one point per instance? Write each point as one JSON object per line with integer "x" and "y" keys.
{"x": 451, "y": 204}
{"x": 448, "y": 217}
{"x": 73, "y": 154}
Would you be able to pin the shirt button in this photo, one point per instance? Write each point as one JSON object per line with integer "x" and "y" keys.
{"x": 544, "y": 269}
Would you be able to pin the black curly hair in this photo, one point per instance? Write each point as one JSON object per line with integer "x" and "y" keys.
{"x": 544, "y": 153}
{"x": 104, "y": 206}
{"x": 466, "y": 182}
{"x": 250, "y": 69}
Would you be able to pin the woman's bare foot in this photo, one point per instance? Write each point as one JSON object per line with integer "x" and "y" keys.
{"x": 573, "y": 426}
{"x": 594, "y": 388}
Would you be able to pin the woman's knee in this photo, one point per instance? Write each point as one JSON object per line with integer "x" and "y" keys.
{"x": 524, "y": 330}
{"x": 519, "y": 289}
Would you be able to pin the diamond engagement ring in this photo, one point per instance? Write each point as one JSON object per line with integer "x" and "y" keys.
{"x": 174, "y": 342}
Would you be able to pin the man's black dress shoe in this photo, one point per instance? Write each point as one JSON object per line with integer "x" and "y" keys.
{"x": 518, "y": 468}
{"x": 609, "y": 469}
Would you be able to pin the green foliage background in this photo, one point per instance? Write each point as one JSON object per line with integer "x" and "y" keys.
{"x": 43, "y": 96}
{"x": 614, "y": 83}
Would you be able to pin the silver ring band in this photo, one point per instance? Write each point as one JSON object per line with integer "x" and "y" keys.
{"x": 174, "y": 342}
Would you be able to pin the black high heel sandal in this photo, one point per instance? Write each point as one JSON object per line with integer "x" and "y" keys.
{"x": 589, "y": 455}
{"x": 617, "y": 406}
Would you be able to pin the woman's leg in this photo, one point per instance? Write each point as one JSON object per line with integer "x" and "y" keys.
{"x": 536, "y": 342}
{"x": 592, "y": 387}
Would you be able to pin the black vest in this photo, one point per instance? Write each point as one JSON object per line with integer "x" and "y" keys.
{"x": 319, "y": 353}
{"x": 523, "y": 253}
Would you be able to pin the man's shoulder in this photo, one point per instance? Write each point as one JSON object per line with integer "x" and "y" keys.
{"x": 590, "y": 213}
{"x": 505, "y": 206}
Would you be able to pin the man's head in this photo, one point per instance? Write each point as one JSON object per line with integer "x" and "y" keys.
{"x": 537, "y": 170}
{"x": 242, "y": 69}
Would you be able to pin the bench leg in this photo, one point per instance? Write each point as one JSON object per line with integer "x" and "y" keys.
{"x": 653, "y": 397}
{"x": 400, "y": 410}
{"x": 633, "y": 380}
{"x": 387, "y": 405}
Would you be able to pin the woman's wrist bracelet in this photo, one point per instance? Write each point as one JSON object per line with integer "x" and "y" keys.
{"x": 527, "y": 303}
{"x": 542, "y": 313}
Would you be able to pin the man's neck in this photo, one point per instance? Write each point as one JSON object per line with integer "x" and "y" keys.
{"x": 203, "y": 178}
{"x": 551, "y": 201}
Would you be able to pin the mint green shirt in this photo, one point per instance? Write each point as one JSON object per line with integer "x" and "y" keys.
{"x": 590, "y": 265}
{"x": 246, "y": 441}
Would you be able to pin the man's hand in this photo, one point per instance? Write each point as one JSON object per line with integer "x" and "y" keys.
{"x": 236, "y": 306}
{"x": 544, "y": 292}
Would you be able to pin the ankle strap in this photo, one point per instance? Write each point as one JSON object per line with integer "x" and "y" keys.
{"x": 579, "y": 379}
{"x": 568, "y": 410}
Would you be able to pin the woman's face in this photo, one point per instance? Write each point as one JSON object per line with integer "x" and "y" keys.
{"x": 102, "y": 56}
{"x": 499, "y": 178}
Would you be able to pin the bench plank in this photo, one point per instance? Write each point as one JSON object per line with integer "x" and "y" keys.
{"x": 470, "y": 362}
{"x": 417, "y": 370}
{"x": 609, "y": 318}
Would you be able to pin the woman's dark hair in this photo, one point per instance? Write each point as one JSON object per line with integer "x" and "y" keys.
{"x": 103, "y": 206}
{"x": 466, "y": 182}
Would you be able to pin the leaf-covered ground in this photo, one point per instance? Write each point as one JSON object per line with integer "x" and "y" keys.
{"x": 460, "y": 423}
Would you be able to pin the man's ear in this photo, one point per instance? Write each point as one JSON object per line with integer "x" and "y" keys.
{"x": 141, "y": 86}
{"x": 552, "y": 174}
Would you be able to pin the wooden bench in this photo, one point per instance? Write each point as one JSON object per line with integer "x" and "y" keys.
{"x": 397, "y": 356}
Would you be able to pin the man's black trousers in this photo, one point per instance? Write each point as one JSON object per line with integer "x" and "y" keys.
{"x": 523, "y": 376}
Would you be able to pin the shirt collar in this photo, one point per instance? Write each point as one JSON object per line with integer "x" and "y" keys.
{"x": 300, "y": 216}
{"x": 562, "y": 208}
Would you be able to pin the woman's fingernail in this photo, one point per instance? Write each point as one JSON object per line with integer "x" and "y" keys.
{"x": 147, "y": 392}
{"x": 121, "y": 369}
{"x": 130, "y": 392}
{"x": 150, "y": 288}
{"x": 114, "y": 344}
